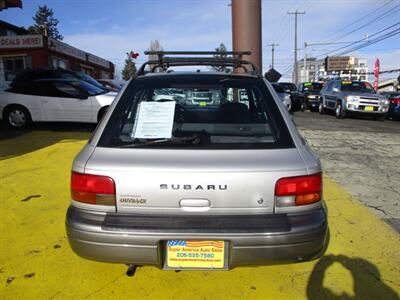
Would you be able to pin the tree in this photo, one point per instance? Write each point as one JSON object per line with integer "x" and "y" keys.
{"x": 154, "y": 46}
{"x": 45, "y": 23}
{"x": 221, "y": 48}
{"x": 129, "y": 68}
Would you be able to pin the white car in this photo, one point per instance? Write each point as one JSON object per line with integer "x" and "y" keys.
{"x": 53, "y": 100}
{"x": 284, "y": 96}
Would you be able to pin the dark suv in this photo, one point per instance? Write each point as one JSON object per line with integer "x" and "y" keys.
{"x": 310, "y": 92}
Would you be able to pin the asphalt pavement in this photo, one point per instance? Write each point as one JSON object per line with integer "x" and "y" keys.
{"x": 362, "y": 155}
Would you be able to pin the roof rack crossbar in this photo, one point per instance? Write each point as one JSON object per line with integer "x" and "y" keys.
{"x": 163, "y": 53}
{"x": 166, "y": 65}
{"x": 162, "y": 62}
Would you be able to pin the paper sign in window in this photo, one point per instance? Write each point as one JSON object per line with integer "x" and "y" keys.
{"x": 154, "y": 120}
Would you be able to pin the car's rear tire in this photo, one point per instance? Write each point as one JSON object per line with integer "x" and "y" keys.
{"x": 339, "y": 111}
{"x": 17, "y": 117}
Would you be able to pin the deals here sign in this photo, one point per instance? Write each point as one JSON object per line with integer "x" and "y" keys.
{"x": 195, "y": 254}
{"x": 21, "y": 41}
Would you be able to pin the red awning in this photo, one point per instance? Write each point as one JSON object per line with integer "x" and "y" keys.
{"x": 4, "y": 4}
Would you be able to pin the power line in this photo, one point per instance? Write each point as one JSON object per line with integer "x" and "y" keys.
{"x": 378, "y": 39}
{"x": 385, "y": 14}
{"x": 283, "y": 25}
{"x": 384, "y": 72}
{"x": 359, "y": 19}
{"x": 359, "y": 41}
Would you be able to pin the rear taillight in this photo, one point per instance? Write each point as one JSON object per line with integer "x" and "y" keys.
{"x": 395, "y": 101}
{"x": 299, "y": 190}
{"x": 92, "y": 189}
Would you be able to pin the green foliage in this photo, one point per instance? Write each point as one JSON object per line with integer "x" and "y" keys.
{"x": 129, "y": 68}
{"x": 45, "y": 23}
{"x": 221, "y": 48}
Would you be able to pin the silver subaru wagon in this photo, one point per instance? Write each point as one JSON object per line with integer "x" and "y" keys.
{"x": 181, "y": 183}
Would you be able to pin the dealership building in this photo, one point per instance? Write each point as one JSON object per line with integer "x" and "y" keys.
{"x": 345, "y": 67}
{"x": 20, "y": 50}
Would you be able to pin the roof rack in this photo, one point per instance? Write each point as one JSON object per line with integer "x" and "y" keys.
{"x": 163, "y": 62}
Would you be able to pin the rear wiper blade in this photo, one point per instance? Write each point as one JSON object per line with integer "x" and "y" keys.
{"x": 190, "y": 140}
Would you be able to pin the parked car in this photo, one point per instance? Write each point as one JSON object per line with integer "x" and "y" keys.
{"x": 283, "y": 95}
{"x": 296, "y": 97}
{"x": 47, "y": 73}
{"x": 113, "y": 84}
{"x": 53, "y": 100}
{"x": 167, "y": 95}
{"x": 184, "y": 186}
{"x": 394, "y": 104}
{"x": 204, "y": 97}
{"x": 347, "y": 98}
{"x": 310, "y": 91}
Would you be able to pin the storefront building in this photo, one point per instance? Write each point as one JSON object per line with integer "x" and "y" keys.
{"x": 19, "y": 50}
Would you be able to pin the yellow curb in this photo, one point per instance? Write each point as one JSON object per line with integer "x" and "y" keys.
{"x": 362, "y": 261}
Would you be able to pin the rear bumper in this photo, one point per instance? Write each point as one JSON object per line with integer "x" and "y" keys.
{"x": 107, "y": 237}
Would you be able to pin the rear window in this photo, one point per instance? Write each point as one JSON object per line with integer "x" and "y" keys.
{"x": 191, "y": 112}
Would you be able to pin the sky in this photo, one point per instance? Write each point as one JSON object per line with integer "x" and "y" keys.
{"x": 110, "y": 29}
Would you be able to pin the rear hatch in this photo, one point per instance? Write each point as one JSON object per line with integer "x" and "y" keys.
{"x": 182, "y": 181}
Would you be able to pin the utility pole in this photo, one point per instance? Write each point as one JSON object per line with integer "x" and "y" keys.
{"x": 295, "y": 42}
{"x": 246, "y": 30}
{"x": 305, "y": 62}
{"x": 273, "y": 52}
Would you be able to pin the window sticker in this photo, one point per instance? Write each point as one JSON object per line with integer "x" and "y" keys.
{"x": 347, "y": 82}
{"x": 307, "y": 84}
{"x": 154, "y": 120}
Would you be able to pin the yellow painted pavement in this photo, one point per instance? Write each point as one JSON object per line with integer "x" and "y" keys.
{"x": 362, "y": 261}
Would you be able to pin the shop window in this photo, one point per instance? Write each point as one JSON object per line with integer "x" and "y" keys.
{"x": 105, "y": 75}
{"x": 87, "y": 71}
{"x": 12, "y": 66}
{"x": 59, "y": 63}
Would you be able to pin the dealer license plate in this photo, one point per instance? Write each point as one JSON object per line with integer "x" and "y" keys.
{"x": 369, "y": 108}
{"x": 192, "y": 254}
